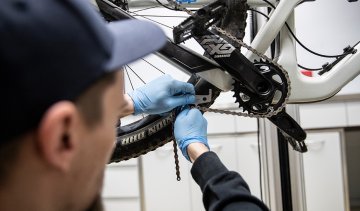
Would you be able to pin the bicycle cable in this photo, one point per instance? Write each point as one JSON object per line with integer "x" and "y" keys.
{"x": 299, "y": 65}
{"x": 175, "y": 9}
{"x": 301, "y": 44}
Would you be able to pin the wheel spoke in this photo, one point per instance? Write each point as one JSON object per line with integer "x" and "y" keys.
{"x": 146, "y": 8}
{"x": 152, "y": 20}
{"x": 152, "y": 65}
{"x": 127, "y": 73}
{"x": 162, "y": 16}
{"x": 136, "y": 74}
{"x": 132, "y": 86}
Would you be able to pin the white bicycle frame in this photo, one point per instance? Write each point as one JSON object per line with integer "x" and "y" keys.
{"x": 303, "y": 88}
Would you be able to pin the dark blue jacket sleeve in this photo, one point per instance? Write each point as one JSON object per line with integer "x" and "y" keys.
{"x": 223, "y": 190}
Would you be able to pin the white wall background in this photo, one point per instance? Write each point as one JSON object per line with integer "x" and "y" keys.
{"x": 327, "y": 27}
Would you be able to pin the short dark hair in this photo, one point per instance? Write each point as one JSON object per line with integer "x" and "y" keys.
{"x": 89, "y": 104}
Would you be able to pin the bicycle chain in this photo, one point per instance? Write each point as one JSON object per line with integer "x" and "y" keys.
{"x": 205, "y": 109}
{"x": 221, "y": 111}
{"x": 260, "y": 55}
{"x": 266, "y": 58}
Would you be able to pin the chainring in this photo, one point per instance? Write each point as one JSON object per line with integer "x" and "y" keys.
{"x": 251, "y": 103}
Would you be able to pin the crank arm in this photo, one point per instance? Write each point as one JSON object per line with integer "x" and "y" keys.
{"x": 236, "y": 64}
{"x": 292, "y": 131}
{"x": 239, "y": 67}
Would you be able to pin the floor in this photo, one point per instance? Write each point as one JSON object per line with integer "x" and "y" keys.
{"x": 355, "y": 209}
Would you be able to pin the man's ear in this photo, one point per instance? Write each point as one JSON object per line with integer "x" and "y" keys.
{"x": 57, "y": 136}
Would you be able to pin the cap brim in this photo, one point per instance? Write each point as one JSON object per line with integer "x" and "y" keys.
{"x": 133, "y": 39}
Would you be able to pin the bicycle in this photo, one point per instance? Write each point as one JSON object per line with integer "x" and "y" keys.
{"x": 261, "y": 85}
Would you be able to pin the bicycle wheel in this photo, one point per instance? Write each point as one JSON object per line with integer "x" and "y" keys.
{"x": 147, "y": 133}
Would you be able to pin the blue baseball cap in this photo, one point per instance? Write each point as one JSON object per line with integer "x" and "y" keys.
{"x": 52, "y": 50}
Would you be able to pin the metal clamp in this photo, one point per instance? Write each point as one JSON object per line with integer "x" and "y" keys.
{"x": 201, "y": 99}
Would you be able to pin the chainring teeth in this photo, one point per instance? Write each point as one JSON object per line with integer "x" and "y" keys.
{"x": 252, "y": 105}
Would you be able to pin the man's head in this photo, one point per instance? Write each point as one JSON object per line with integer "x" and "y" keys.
{"x": 62, "y": 95}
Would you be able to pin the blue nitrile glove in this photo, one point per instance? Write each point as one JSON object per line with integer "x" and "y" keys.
{"x": 162, "y": 95}
{"x": 190, "y": 127}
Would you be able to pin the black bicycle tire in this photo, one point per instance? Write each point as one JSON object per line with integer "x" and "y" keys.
{"x": 153, "y": 131}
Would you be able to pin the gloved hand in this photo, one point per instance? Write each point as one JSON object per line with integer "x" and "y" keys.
{"x": 190, "y": 127}
{"x": 162, "y": 95}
